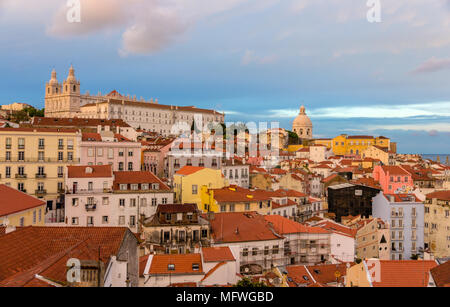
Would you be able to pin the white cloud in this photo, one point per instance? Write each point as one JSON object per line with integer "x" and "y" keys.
{"x": 374, "y": 111}
{"x": 250, "y": 57}
{"x": 433, "y": 65}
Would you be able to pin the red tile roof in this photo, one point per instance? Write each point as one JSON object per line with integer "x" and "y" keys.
{"x": 183, "y": 264}
{"x": 395, "y": 170}
{"x": 89, "y": 171}
{"x": 401, "y": 273}
{"x": 13, "y": 201}
{"x": 77, "y": 122}
{"x": 284, "y": 226}
{"x": 441, "y": 195}
{"x": 189, "y": 170}
{"x": 216, "y": 254}
{"x": 136, "y": 178}
{"x": 238, "y": 194}
{"x": 337, "y": 228}
{"x": 441, "y": 274}
{"x": 241, "y": 227}
{"x": 29, "y": 247}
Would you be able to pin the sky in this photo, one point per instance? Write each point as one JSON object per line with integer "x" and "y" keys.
{"x": 255, "y": 60}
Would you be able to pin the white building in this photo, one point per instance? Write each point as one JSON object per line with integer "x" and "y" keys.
{"x": 66, "y": 100}
{"x": 96, "y": 196}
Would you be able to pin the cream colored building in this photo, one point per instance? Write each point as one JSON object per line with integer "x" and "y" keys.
{"x": 33, "y": 160}
{"x": 373, "y": 240}
{"x": 302, "y": 125}
{"x": 383, "y": 154}
{"x": 437, "y": 223}
{"x": 66, "y": 100}
{"x": 15, "y": 106}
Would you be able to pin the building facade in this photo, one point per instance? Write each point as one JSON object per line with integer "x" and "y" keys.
{"x": 65, "y": 100}
{"x": 34, "y": 161}
{"x": 437, "y": 223}
{"x": 405, "y": 215}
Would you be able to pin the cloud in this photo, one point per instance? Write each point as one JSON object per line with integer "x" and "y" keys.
{"x": 432, "y": 128}
{"x": 250, "y": 57}
{"x": 433, "y": 65}
{"x": 426, "y": 110}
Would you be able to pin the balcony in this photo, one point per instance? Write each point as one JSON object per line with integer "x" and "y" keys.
{"x": 40, "y": 193}
{"x": 21, "y": 176}
{"x": 60, "y": 147}
{"x": 21, "y": 146}
{"x": 41, "y": 146}
{"x": 33, "y": 160}
{"x": 61, "y": 191}
{"x": 41, "y": 176}
{"x": 8, "y": 146}
{"x": 91, "y": 207}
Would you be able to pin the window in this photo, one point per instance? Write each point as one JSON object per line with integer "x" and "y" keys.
{"x": 60, "y": 156}
{"x": 245, "y": 252}
{"x": 70, "y": 156}
{"x": 75, "y": 221}
{"x": 132, "y": 220}
{"x": 90, "y": 186}
{"x": 122, "y": 202}
{"x": 130, "y": 153}
{"x": 194, "y": 189}
{"x": 134, "y": 187}
{"x": 110, "y": 153}
{"x": 254, "y": 251}
{"x": 105, "y": 201}
{"x": 133, "y": 202}
{"x": 275, "y": 249}
{"x": 8, "y": 172}
{"x": 121, "y": 220}
{"x": 21, "y": 155}
{"x": 144, "y": 186}
{"x": 130, "y": 166}
{"x": 105, "y": 219}
{"x": 154, "y": 202}
{"x": 120, "y": 166}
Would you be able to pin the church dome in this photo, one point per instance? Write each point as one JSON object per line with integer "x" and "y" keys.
{"x": 302, "y": 120}
{"x": 302, "y": 125}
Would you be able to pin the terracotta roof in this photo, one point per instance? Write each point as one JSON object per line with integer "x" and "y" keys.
{"x": 13, "y": 201}
{"x": 177, "y": 208}
{"x": 276, "y": 205}
{"x": 189, "y": 170}
{"x": 77, "y": 122}
{"x": 399, "y": 198}
{"x": 337, "y": 228}
{"x": 401, "y": 273}
{"x": 38, "y": 130}
{"x": 89, "y": 171}
{"x": 183, "y": 264}
{"x": 29, "y": 247}
{"x": 241, "y": 227}
{"x": 441, "y": 274}
{"x": 136, "y": 178}
{"x": 284, "y": 226}
{"x": 238, "y": 194}
{"x": 216, "y": 254}
{"x": 441, "y": 195}
{"x": 394, "y": 170}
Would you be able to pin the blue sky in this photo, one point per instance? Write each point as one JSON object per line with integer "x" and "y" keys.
{"x": 257, "y": 60}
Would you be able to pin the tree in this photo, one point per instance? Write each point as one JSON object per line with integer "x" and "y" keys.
{"x": 248, "y": 283}
{"x": 293, "y": 138}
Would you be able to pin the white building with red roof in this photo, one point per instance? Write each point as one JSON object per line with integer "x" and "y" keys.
{"x": 97, "y": 196}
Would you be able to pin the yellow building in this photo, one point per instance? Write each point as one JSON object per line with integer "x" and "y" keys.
{"x": 437, "y": 223}
{"x": 356, "y": 145}
{"x": 373, "y": 239}
{"x": 235, "y": 199}
{"x": 19, "y": 209}
{"x": 325, "y": 142}
{"x": 189, "y": 180}
{"x": 33, "y": 160}
{"x": 381, "y": 153}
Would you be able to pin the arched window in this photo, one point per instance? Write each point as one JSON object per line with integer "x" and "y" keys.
{"x": 74, "y": 88}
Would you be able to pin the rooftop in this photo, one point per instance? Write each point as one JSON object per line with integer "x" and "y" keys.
{"x": 13, "y": 201}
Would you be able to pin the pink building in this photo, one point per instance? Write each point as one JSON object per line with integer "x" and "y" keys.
{"x": 109, "y": 148}
{"x": 393, "y": 179}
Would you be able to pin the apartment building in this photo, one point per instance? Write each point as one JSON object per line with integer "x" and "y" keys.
{"x": 175, "y": 229}
{"x": 437, "y": 223}
{"x": 33, "y": 160}
{"x": 237, "y": 172}
{"x": 405, "y": 215}
{"x": 107, "y": 147}
{"x": 97, "y": 196}
{"x": 373, "y": 239}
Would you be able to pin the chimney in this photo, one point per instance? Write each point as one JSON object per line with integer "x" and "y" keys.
{"x": 237, "y": 230}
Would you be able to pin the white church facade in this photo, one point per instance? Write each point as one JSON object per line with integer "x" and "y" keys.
{"x": 66, "y": 101}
